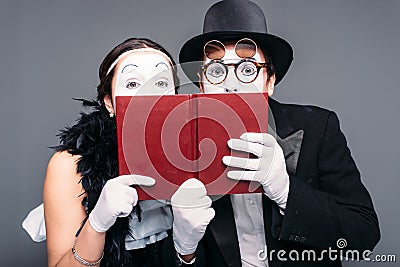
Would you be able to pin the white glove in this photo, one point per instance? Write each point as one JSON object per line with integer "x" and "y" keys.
{"x": 269, "y": 169}
{"x": 116, "y": 199}
{"x": 192, "y": 213}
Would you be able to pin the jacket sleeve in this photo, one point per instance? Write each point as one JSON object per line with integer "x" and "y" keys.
{"x": 338, "y": 207}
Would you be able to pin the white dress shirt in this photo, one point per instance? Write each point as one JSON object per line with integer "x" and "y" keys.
{"x": 156, "y": 220}
{"x": 248, "y": 213}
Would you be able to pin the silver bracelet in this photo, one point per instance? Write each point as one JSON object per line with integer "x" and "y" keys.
{"x": 82, "y": 261}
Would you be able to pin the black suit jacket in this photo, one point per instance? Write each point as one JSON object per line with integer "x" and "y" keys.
{"x": 326, "y": 201}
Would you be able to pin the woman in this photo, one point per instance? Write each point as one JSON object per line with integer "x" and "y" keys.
{"x": 86, "y": 205}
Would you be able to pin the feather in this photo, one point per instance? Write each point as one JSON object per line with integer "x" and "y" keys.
{"x": 93, "y": 137}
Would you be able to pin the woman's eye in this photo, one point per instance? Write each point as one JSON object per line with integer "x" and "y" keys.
{"x": 132, "y": 85}
{"x": 162, "y": 84}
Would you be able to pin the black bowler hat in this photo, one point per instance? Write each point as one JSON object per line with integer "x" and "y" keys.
{"x": 236, "y": 19}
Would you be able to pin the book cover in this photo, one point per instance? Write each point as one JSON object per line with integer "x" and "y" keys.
{"x": 172, "y": 138}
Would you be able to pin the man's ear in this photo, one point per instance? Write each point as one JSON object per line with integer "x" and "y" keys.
{"x": 108, "y": 103}
{"x": 271, "y": 85}
{"x": 200, "y": 83}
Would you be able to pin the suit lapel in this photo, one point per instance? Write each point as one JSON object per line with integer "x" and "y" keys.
{"x": 223, "y": 229}
{"x": 272, "y": 243}
{"x": 289, "y": 140}
{"x": 278, "y": 121}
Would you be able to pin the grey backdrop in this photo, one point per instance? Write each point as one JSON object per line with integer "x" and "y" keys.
{"x": 346, "y": 59}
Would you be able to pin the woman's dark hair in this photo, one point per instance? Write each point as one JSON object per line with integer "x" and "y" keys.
{"x": 104, "y": 88}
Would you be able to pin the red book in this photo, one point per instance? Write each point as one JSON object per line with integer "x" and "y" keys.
{"x": 172, "y": 138}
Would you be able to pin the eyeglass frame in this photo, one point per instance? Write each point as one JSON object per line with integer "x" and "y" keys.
{"x": 258, "y": 65}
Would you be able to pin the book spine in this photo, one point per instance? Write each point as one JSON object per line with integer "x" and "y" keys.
{"x": 193, "y": 104}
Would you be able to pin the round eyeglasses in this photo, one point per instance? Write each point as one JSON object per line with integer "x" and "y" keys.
{"x": 244, "y": 48}
{"x": 246, "y": 70}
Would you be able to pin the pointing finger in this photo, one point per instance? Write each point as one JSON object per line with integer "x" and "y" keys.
{"x": 133, "y": 179}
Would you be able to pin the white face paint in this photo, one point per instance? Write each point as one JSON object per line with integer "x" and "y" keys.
{"x": 231, "y": 83}
{"x": 146, "y": 72}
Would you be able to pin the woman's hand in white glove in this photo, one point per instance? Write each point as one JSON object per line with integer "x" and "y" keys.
{"x": 192, "y": 213}
{"x": 117, "y": 199}
{"x": 269, "y": 169}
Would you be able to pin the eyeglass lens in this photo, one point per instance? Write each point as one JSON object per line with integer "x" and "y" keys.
{"x": 214, "y": 50}
{"x": 246, "y": 48}
{"x": 246, "y": 72}
{"x": 215, "y": 73}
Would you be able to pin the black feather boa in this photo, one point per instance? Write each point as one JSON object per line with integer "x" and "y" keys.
{"x": 93, "y": 137}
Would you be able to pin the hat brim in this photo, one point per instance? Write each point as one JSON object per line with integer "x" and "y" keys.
{"x": 280, "y": 51}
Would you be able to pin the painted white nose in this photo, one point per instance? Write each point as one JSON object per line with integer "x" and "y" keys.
{"x": 231, "y": 83}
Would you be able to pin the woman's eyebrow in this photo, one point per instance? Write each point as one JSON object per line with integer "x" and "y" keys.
{"x": 133, "y": 65}
{"x": 161, "y": 63}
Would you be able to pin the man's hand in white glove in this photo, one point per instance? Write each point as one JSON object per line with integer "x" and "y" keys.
{"x": 192, "y": 213}
{"x": 269, "y": 169}
{"x": 117, "y": 199}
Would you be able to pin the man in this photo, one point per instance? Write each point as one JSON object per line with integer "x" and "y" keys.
{"x": 313, "y": 198}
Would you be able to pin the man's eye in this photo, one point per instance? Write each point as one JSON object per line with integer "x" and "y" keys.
{"x": 162, "y": 84}
{"x": 132, "y": 85}
{"x": 216, "y": 71}
{"x": 248, "y": 70}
